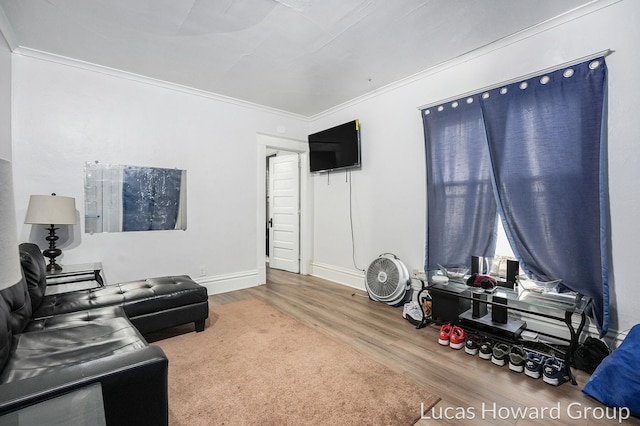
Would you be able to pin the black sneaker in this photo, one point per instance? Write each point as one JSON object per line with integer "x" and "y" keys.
{"x": 517, "y": 359}
{"x": 472, "y": 345}
{"x": 486, "y": 348}
{"x": 500, "y": 354}
{"x": 553, "y": 372}
{"x": 533, "y": 365}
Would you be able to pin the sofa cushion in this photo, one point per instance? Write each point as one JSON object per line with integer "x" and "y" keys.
{"x": 52, "y": 350}
{"x": 137, "y": 297}
{"x": 75, "y": 318}
{"x": 35, "y": 272}
{"x": 15, "y": 313}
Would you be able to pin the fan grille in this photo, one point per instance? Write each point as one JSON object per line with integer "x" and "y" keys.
{"x": 382, "y": 277}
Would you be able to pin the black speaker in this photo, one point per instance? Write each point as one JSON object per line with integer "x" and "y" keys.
{"x": 479, "y": 308}
{"x": 499, "y": 313}
{"x": 476, "y": 265}
{"x": 513, "y": 266}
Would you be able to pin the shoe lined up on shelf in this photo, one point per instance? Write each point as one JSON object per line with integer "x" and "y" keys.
{"x": 500, "y": 354}
{"x": 554, "y": 371}
{"x": 517, "y": 358}
{"x": 486, "y": 349}
{"x": 532, "y": 364}
{"x": 472, "y": 345}
{"x": 445, "y": 332}
{"x": 453, "y": 336}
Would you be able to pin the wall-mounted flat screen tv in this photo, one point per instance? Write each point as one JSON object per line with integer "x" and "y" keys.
{"x": 335, "y": 148}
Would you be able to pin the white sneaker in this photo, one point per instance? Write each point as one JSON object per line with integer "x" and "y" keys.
{"x": 413, "y": 310}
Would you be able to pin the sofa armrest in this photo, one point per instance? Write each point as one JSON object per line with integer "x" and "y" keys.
{"x": 134, "y": 387}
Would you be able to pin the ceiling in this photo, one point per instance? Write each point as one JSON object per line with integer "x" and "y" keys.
{"x": 300, "y": 56}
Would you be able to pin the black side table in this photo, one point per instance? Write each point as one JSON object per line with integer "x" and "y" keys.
{"x": 76, "y": 273}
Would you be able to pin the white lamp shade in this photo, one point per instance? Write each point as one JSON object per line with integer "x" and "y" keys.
{"x": 51, "y": 210}
{"x": 10, "y": 271}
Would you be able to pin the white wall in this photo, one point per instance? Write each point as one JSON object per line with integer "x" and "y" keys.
{"x": 5, "y": 100}
{"x": 389, "y": 191}
{"x": 66, "y": 115}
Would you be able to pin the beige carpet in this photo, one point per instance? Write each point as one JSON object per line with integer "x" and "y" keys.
{"x": 254, "y": 365}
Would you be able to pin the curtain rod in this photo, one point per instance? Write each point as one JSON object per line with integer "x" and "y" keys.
{"x": 603, "y": 53}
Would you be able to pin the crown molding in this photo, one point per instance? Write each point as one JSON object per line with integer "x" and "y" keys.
{"x": 113, "y": 72}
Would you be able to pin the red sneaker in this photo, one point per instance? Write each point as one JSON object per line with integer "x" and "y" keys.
{"x": 458, "y": 338}
{"x": 445, "y": 332}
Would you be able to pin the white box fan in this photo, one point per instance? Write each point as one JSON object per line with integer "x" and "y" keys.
{"x": 387, "y": 280}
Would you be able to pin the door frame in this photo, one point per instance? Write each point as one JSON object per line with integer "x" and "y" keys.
{"x": 265, "y": 141}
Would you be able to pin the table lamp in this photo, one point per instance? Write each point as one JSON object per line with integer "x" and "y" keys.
{"x": 51, "y": 210}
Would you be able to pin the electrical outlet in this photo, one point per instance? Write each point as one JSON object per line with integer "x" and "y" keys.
{"x": 203, "y": 271}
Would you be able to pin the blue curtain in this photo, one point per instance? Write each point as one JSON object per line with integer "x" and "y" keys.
{"x": 150, "y": 198}
{"x": 540, "y": 143}
{"x": 547, "y": 153}
{"x": 461, "y": 209}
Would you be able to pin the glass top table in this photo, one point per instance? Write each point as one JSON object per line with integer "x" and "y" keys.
{"x": 519, "y": 298}
{"x": 557, "y": 306}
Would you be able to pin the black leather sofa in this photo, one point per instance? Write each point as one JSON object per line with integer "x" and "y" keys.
{"x": 55, "y": 345}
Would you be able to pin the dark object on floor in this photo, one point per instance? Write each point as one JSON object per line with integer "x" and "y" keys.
{"x": 589, "y": 354}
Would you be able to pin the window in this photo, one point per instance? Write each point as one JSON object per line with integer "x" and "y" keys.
{"x": 541, "y": 145}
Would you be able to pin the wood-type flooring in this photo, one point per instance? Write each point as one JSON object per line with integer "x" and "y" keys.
{"x": 472, "y": 390}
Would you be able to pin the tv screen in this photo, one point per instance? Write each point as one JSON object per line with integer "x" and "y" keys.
{"x": 335, "y": 148}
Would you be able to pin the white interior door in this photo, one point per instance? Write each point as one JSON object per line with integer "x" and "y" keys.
{"x": 284, "y": 216}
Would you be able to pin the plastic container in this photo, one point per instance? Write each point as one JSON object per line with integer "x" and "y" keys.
{"x": 542, "y": 285}
{"x": 454, "y": 271}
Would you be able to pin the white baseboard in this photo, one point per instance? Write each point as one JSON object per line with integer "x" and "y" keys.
{"x": 349, "y": 277}
{"x": 229, "y": 282}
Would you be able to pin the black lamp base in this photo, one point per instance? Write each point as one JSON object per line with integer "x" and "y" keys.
{"x": 52, "y": 252}
{"x": 52, "y": 266}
